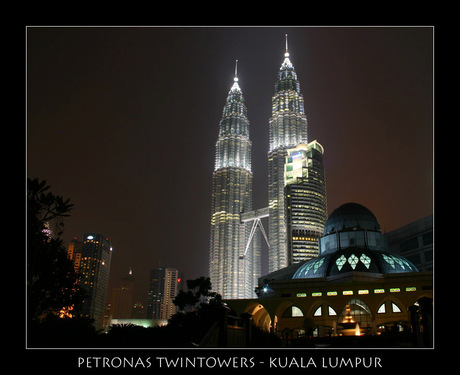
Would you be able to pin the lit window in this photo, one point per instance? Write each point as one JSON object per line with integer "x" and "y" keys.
{"x": 389, "y": 260}
{"x": 317, "y": 294}
{"x": 395, "y": 308}
{"x": 353, "y": 260}
{"x": 331, "y": 293}
{"x": 296, "y": 311}
{"x": 331, "y": 311}
{"x": 366, "y": 260}
{"x": 377, "y": 291}
{"x": 411, "y": 289}
{"x": 363, "y": 291}
{"x": 347, "y": 292}
{"x": 319, "y": 311}
{"x": 301, "y": 294}
{"x": 382, "y": 309}
{"x": 340, "y": 262}
{"x": 394, "y": 290}
{"x": 318, "y": 264}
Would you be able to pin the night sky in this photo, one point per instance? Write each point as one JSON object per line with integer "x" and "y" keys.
{"x": 124, "y": 121}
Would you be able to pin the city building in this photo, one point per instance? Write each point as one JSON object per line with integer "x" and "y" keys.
{"x": 74, "y": 253}
{"x": 234, "y": 267}
{"x": 305, "y": 200}
{"x": 96, "y": 254}
{"x": 354, "y": 287}
{"x": 122, "y": 298}
{"x": 414, "y": 241}
{"x": 288, "y": 129}
{"x": 163, "y": 288}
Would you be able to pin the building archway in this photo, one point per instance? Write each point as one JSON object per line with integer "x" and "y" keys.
{"x": 260, "y": 316}
{"x": 355, "y": 319}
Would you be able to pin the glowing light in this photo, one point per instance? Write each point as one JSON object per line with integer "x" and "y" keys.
{"x": 89, "y": 237}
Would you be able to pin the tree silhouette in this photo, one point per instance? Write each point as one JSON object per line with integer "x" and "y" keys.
{"x": 51, "y": 278}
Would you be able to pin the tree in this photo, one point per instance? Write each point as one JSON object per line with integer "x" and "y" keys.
{"x": 199, "y": 292}
{"x": 51, "y": 278}
{"x": 199, "y": 309}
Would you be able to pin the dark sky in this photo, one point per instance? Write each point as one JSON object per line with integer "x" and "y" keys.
{"x": 124, "y": 120}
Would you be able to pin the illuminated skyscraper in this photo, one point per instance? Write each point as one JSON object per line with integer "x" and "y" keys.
{"x": 163, "y": 288}
{"x": 305, "y": 200}
{"x": 288, "y": 129}
{"x": 96, "y": 255}
{"x": 233, "y": 270}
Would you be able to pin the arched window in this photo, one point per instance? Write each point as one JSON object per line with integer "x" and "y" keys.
{"x": 292, "y": 312}
{"x": 318, "y": 311}
{"x": 395, "y": 308}
{"x": 358, "y": 311}
{"x": 331, "y": 311}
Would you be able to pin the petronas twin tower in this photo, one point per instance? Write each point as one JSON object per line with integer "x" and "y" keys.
{"x": 235, "y": 256}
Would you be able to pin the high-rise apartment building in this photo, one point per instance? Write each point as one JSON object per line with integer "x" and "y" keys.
{"x": 233, "y": 267}
{"x": 163, "y": 288}
{"x": 305, "y": 200}
{"x": 96, "y": 254}
{"x": 288, "y": 129}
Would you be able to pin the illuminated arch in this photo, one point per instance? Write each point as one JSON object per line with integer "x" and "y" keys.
{"x": 359, "y": 312}
{"x": 260, "y": 316}
{"x": 292, "y": 311}
{"x": 315, "y": 306}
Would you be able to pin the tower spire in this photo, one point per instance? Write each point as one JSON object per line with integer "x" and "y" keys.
{"x": 286, "y": 54}
{"x": 235, "y": 78}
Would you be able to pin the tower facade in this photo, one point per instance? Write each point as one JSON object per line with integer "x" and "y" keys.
{"x": 163, "y": 289}
{"x": 122, "y": 298}
{"x": 288, "y": 128}
{"x": 233, "y": 270}
{"x": 96, "y": 255}
{"x": 305, "y": 200}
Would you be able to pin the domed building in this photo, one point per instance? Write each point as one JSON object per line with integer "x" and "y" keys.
{"x": 354, "y": 287}
{"x": 353, "y": 241}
